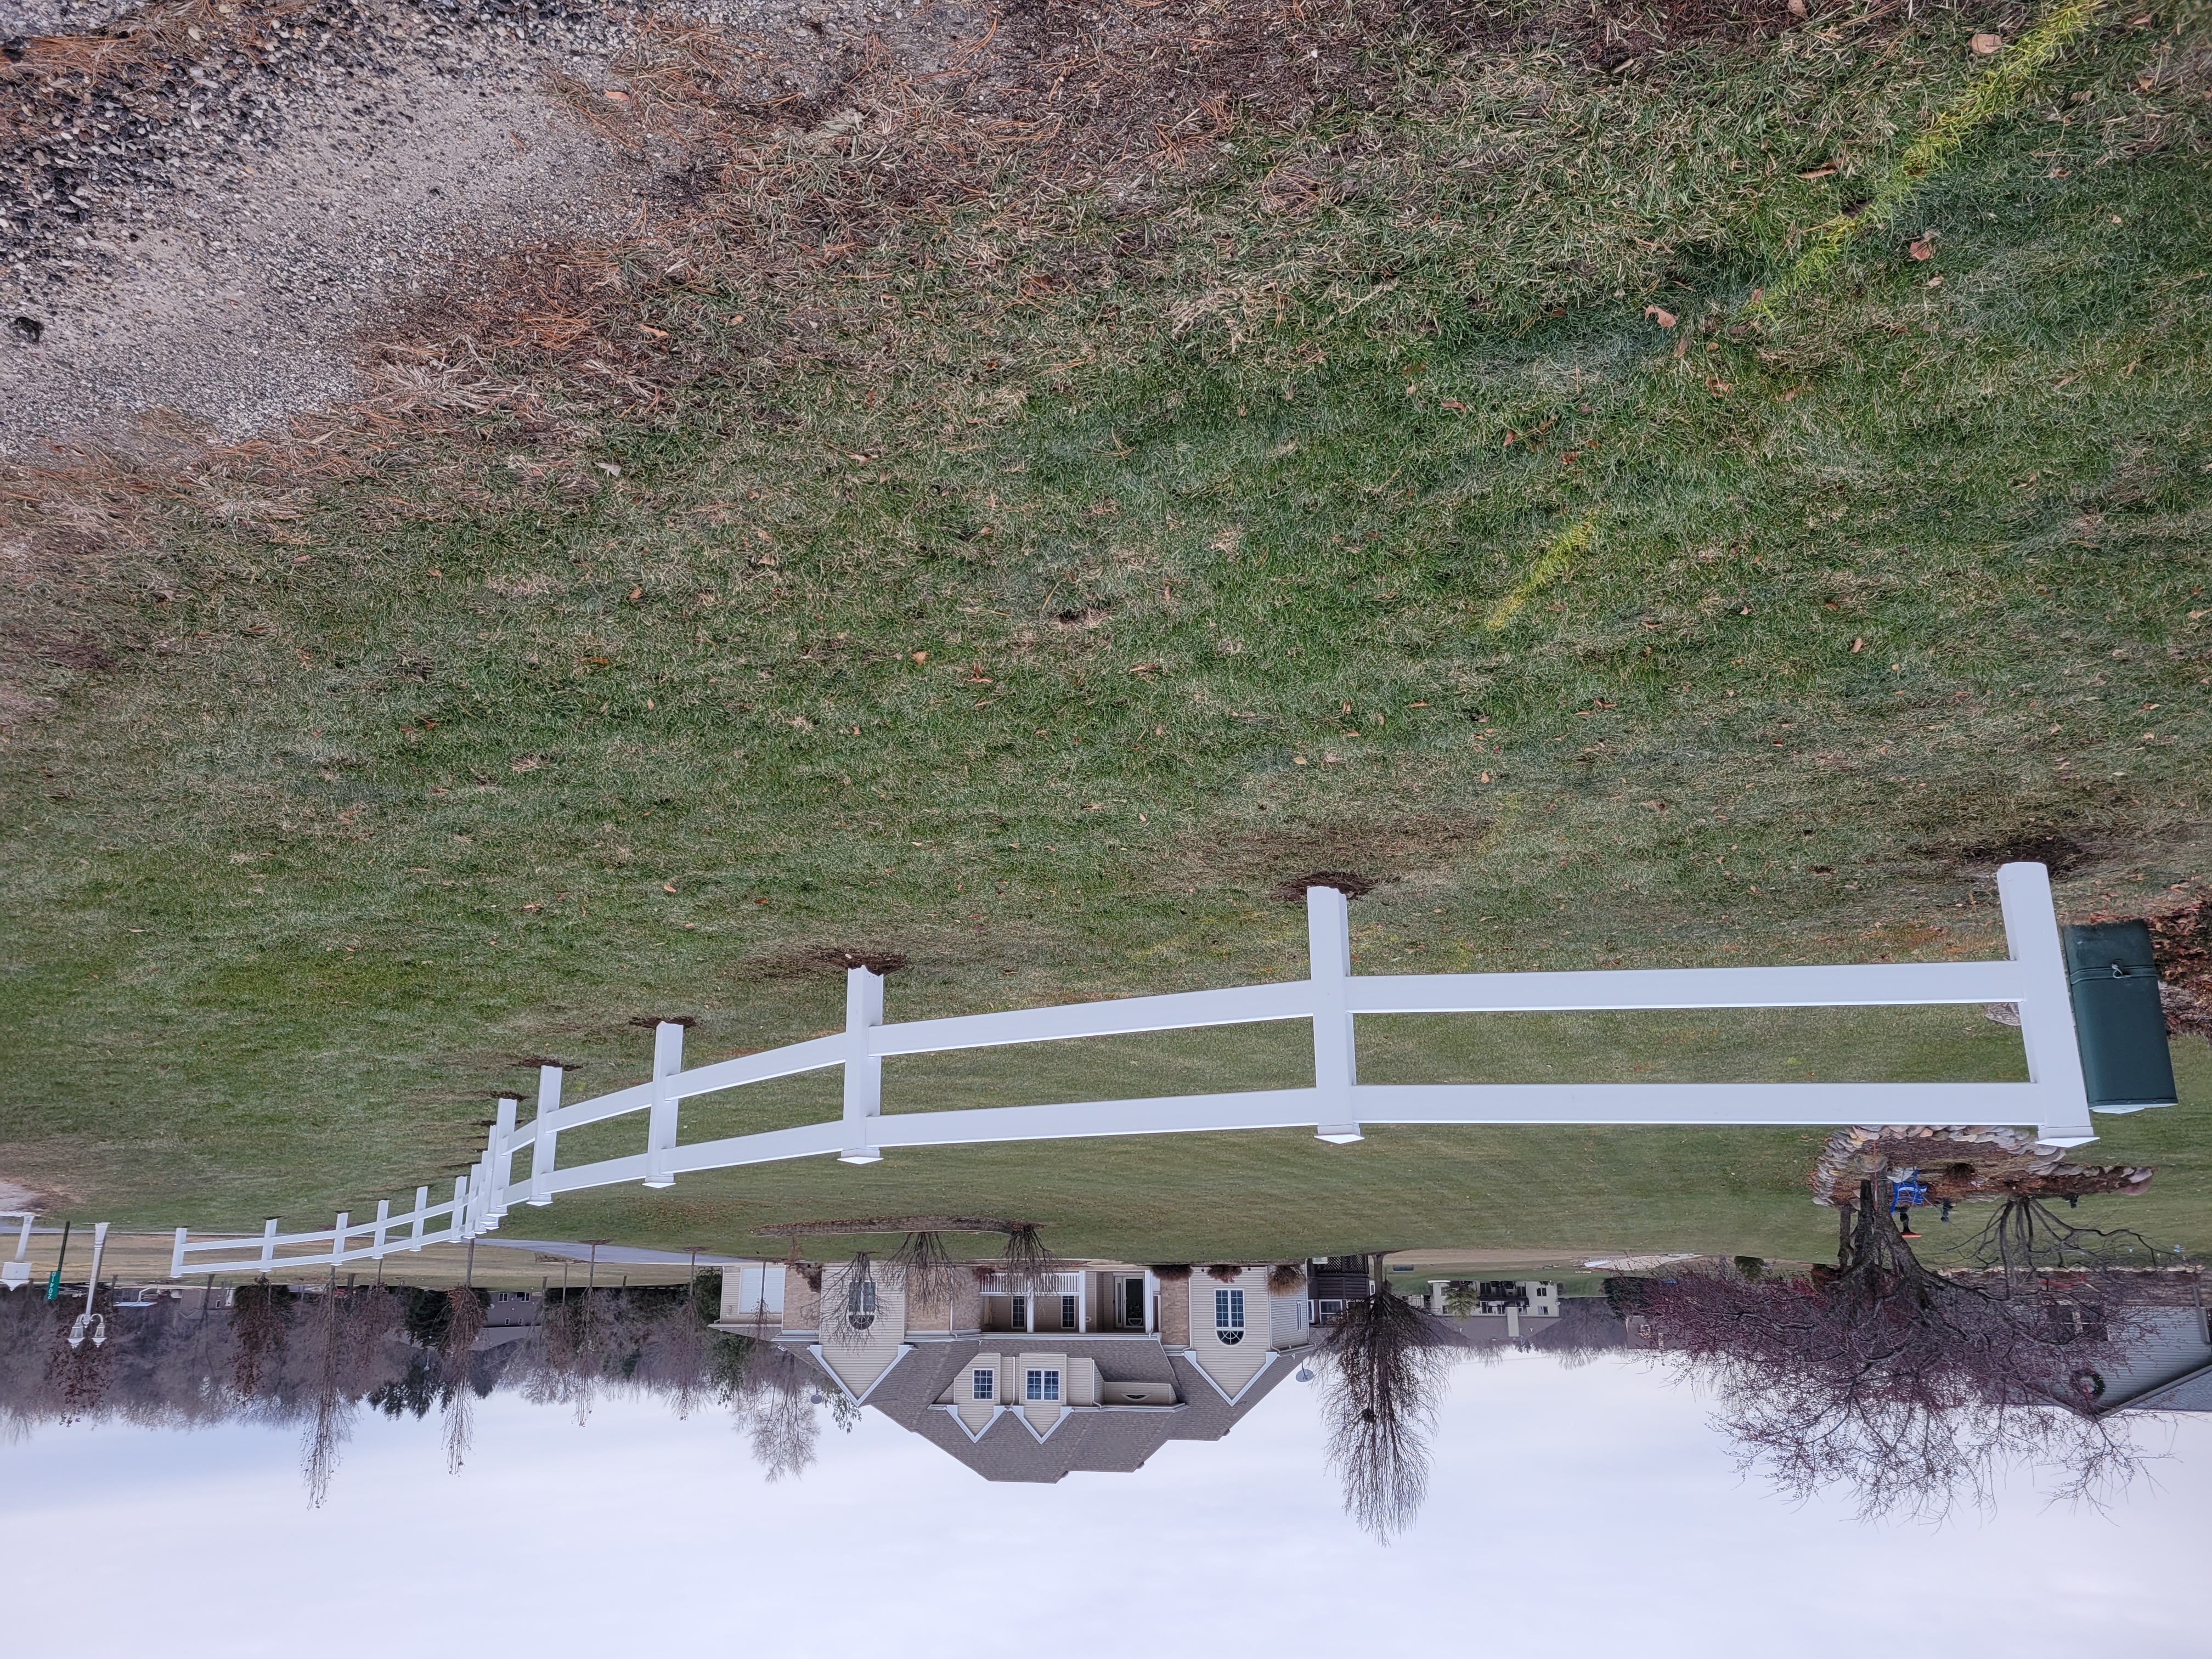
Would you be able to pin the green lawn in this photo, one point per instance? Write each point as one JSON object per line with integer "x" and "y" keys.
{"x": 1388, "y": 531}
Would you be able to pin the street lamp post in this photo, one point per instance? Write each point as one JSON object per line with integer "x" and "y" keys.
{"x": 90, "y": 1323}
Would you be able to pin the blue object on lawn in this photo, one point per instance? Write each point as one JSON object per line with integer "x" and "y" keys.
{"x": 1904, "y": 1194}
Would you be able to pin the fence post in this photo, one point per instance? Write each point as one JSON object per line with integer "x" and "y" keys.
{"x": 459, "y": 1219}
{"x": 502, "y": 1157}
{"x": 2047, "y": 1009}
{"x": 383, "y": 1226}
{"x": 1328, "y": 944}
{"x": 543, "y": 1147}
{"x": 660, "y": 1119}
{"x": 864, "y": 1071}
{"x": 176, "y": 1257}
{"x": 268, "y": 1245}
{"x": 422, "y": 1215}
{"x": 338, "y": 1237}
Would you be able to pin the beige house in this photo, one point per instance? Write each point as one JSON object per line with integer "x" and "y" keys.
{"x": 1094, "y": 1369}
{"x": 1505, "y": 1311}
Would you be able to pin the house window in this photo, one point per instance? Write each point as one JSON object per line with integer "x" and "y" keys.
{"x": 983, "y": 1385}
{"x": 1067, "y": 1313}
{"x": 860, "y": 1304}
{"x": 1228, "y": 1317}
{"x": 1021, "y": 1320}
{"x": 1042, "y": 1385}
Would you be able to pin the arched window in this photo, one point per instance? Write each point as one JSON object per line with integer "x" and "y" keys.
{"x": 1228, "y": 1317}
{"x": 860, "y": 1303}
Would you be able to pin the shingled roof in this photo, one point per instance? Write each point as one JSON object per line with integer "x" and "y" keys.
{"x": 1114, "y": 1439}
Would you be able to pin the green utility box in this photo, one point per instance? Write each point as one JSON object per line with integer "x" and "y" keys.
{"x": 2117, "y": 1018}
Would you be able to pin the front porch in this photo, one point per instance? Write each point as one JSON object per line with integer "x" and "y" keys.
{"x": 1093, "y": 1301}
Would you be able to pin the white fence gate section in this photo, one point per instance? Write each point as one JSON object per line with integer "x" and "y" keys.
{"x": 2033, "y": 978}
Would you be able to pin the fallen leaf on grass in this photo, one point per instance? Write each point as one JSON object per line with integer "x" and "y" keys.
{"x": 1827, "y": 170}
{"x": 1923, "y": 249}
{"x": 1984, "y": 44}
{"x": 1659, "y": 314}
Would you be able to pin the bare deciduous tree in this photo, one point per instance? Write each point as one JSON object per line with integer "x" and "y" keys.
{"x": 258, "y": 1331}
{"x": 462, "y": 1328}
{"x": 780, "y": 1420}
{"x": 330, "y": 1417}
{"x": 1027, "y": 1267}
{"x": 925, "y": 1269}
{"x": 1911, "y": 1388}
{"x": 1383, "y": 1365}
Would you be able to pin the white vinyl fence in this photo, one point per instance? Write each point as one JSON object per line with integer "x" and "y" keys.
{"x": 2033, "y": 978}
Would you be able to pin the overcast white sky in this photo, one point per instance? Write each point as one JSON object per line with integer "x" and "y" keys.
{"x": 1574, "y": 1512}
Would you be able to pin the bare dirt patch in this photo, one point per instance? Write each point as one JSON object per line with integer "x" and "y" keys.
{"x": 825, "y": 959}
{"x": 202, "y": 203}
{"x": 1963, "y": 1166}
{"x": 20, "y": 1196}
{"x": 1364, "y": 855}
{"x": 2062, "y": 853}
{"x": 1349, "y": 883}
{"x": 886, "y": 1224}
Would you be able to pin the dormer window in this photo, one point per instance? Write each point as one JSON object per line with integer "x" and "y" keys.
{"x": 983, "y": 1384}
{"x": 1042, "y": 1386}
{"x": 1228, "y": 1317}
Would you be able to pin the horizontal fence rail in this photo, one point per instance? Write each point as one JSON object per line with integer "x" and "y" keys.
{"x": 2032, "y": 978}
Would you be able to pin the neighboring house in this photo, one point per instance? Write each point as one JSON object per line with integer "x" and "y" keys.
{"x": 1505, "y": 1309}
{"x": 510, "y": 1317}
{"x": 1095, "y": 1370}
{"x": 1332, "y": 1281}
{"x": 2169, "y": 1370}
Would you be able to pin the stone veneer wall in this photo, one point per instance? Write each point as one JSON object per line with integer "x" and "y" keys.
{"x": 1174, "y": 1313}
